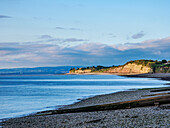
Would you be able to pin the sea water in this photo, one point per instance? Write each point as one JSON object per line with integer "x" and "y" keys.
{"x": 23, "y": 95}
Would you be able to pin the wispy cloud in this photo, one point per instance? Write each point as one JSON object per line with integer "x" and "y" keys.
{"x": 112, "y": 35}
{"x": 59, "y": 28}
{"x": 73, "y": 40}
{"x": 65, "y": 40}
{"x": 4, "y": 16}
{"x": 138, "y": 35}
{"x": 63, "y": 28}
{"x": 48, "y": 39}
{"x": 45, "y": 36}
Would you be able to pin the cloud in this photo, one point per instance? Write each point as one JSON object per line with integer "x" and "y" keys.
{"x": 138, "y": 35}
{"x": 77, "y": 29}
{"x": 112, "y": 35}
{"x": 45, "y": 37}
{"x": 65, "y": 40}
{"x": 162, "y": 43}
{"x": 73, "y": 40}
{"x": 49, "y": 39}
{"x": 4, "y": 16}
{"x": 62, "y": 28}
{"x": 59, "y": 28}
{"x": 44, "y": 54}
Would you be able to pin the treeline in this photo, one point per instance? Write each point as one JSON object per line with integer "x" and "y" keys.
{"x": 92, "y": 68}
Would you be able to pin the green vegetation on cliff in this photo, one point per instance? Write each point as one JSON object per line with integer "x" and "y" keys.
{"x": 136, "y": 66}
{"x": 142, "y": 62}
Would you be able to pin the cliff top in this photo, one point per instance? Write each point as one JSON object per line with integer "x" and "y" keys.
{"x": 149, "y": 65}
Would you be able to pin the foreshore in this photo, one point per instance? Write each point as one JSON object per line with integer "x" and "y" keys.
{"x": 148, "y": 116}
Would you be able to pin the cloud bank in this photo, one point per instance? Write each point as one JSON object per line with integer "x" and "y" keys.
{"x": 48, "y": 39}
{"x": 29, "y": 54}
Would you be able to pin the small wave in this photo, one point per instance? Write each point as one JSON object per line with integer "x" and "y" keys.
{"x": 139, "y": 79}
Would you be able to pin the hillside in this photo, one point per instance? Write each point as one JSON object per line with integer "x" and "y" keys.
{"x": 131, "y": 67}
{"x": 37, "y": 70}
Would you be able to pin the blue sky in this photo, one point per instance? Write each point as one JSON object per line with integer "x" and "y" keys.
{"x": 82, "y": 32}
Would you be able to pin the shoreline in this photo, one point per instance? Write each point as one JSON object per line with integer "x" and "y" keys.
{"x": 95, "y": 100}
{"x": 161, "y": 76}
{"x": 98, "y": 118}
{"x": 98, "y": 73}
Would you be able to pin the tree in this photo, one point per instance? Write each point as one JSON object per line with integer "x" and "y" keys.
{"x": 164, "y": 61}
{"x": 99, "y": 67}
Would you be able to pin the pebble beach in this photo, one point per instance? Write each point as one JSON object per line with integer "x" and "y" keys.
{"x": 141, "y": 117}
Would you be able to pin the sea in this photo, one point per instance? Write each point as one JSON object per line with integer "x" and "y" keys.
{"x": 21, "y": 95}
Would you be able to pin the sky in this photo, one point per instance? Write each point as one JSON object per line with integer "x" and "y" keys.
{"x": 36, "y": 33}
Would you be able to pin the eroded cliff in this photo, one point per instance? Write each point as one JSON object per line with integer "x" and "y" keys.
{"x": 130, "y": 68}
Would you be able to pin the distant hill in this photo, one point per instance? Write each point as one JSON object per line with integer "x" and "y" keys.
{"x": 37, "y": 70}
{"x": 131, "y": 67}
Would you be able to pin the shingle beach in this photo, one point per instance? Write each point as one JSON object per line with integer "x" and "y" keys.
{"x": 140, "y": 117}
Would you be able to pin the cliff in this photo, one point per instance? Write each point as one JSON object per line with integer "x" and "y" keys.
{"x": 131, "y": 67}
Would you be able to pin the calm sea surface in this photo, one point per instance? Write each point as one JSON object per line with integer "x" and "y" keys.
{"x": 22, "y": 95}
